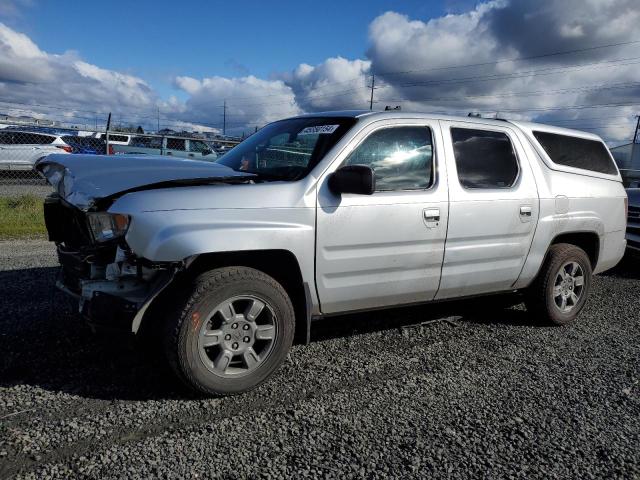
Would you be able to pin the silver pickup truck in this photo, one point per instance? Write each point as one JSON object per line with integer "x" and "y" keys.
{"x": 328, "y": 213}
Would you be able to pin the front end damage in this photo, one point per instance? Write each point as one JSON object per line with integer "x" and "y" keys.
{"x": 112, "y": 285}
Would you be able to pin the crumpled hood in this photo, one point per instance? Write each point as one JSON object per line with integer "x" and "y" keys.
{"x": 83, "y": 179}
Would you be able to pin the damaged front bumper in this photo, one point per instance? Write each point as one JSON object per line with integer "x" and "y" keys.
{"x": 113, "y": 296}
{"x": 113, "y": 287}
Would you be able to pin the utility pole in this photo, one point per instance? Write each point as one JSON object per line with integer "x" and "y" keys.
{"x": 224, "y": 118}
{"x": 158, "y": 119}
{"x": 373, "y": 87}
{"x": 633, "y": 144}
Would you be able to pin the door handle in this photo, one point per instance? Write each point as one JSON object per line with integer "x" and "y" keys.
{"x": 431, "y": 217}
{"x": 525, "y": 213}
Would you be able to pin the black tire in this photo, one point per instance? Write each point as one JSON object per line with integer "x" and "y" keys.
{"x": 184, "y": 327}
{"x": 540, "y": 298}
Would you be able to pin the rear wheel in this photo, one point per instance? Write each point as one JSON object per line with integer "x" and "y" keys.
{"x": 233, "y": 332}
{"x": 560, "y": 291}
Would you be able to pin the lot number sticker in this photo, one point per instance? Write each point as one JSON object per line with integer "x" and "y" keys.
{"x": 320, "y": 129}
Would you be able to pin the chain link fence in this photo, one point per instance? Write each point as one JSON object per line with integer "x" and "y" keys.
{"x": 22, "y": 190}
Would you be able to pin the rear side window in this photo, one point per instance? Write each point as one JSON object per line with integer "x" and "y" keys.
{"x": 175, "y": 144}
{"x": 198, "y": 146}
{"x": 116, "y": 138}
{"x": 577, "y": 152}
{"x": 6, "y": 138}
{"x": 24, "y": 138}
{"x": 146, "y": 142}
{"x": 484, "y": 159}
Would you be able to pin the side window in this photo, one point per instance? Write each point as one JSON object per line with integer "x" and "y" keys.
{"x": 6, "y": 138}
{"x": 175, "y": 143}
{"x": 401, "y": 157}
{"x": 577, "y": 152}
{"x": 197, "y": 146}
{"x": 33, "y": 139}
{"x": 484, "y": 159}
{"x": 116, "y": 138}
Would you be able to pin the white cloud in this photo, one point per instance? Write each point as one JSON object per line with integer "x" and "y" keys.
{"x": 445, "y": 64}
{"x": 336, "y": 83}
{"x": 33, "y": 81}
{"x": 250, "y": 101}
{"x": 424, "y": 52}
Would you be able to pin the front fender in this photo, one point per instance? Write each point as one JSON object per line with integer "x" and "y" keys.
{"x": 175, "y": 235}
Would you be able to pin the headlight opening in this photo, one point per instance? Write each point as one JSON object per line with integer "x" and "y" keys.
{"x": 107, "y": 226}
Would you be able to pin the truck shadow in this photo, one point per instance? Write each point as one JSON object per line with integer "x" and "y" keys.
{"x": 44, "y": 343}
{"x": 629, "y": 267}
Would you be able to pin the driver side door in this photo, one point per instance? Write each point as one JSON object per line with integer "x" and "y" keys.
{"x": 386, "y": 248}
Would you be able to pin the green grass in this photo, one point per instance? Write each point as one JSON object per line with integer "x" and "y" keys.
{"x": 21, "y": 217}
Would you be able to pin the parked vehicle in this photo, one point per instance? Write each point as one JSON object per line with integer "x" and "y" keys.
{"x": 167, "y": 146}
{"x": 86, "y": 145}
{"x": 19, "y": 150}
{"x": 329, "y": 213}
{"x": 116, "y": 138}
{"x": 633, "y": 220}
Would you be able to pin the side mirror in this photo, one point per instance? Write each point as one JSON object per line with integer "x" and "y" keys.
{"x": 358, "y": 179}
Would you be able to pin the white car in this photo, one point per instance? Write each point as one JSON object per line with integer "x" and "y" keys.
{"x": 19, "y": 150}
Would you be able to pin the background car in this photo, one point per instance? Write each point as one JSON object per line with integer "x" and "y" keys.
{"x": 633, "y": 221}
{"x": 169, "y": 146}
{"x": 20, "y": 149}
{"x": 86, "y": 145}
{"x": 117, "y": 138}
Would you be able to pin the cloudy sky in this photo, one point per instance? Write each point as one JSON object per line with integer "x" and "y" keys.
{"x": 573, "y": 63}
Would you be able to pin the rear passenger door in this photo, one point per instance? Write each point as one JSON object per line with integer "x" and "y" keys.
{"x": 493, "y": 209}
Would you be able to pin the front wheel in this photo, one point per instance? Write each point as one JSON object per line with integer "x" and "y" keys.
{"x": 560, "y": 291}
{"x": 234, "y": 330}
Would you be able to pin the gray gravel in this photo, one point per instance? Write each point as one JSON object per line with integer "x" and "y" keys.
{"x": 486, "y": 393}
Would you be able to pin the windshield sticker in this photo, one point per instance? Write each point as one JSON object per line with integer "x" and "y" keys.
{"x": 320, "y": 129}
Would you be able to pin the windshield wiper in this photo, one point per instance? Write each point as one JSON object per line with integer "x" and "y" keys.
{"x": 266, "y": 176}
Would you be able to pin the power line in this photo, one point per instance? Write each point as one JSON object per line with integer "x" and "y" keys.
{"x": 515, "y": 59}
{"x": 515, "y": 94}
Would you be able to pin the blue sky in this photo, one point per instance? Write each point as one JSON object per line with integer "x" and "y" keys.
{"x": 158, "y": 40}
{"x": 572, "y": 62}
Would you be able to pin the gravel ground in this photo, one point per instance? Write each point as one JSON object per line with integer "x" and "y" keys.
{"x": 14, "y": 184}
{"x": 484, "y": 393}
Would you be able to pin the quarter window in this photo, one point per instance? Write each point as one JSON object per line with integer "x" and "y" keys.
{"x": 401, "y": 157}
{"x": 577, "y": 152}
{"x": 484, "y": 159}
